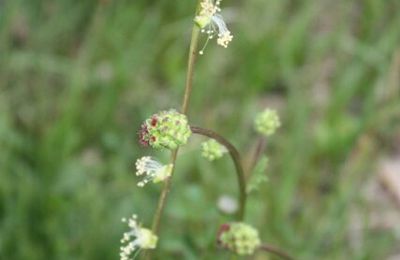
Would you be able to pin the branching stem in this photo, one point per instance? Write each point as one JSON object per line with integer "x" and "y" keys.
{"x": 261, "y": 144}
{"x": 236, "y": 160}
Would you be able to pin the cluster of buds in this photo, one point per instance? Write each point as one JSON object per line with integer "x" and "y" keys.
{"x": 166, "y": 129}
{"x": 239, "y": 237}
{"x": 212, "y": 150}
{"x": 135, "y": 239}
{"x": 212, "y": 23}
{"x": 266, "y": 122}
{"x": 152, "y": 170}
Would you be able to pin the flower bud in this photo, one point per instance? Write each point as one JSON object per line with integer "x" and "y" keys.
{"x": 212, "y": 150}
{"x": 267, "y": 122}
{"x": 239, "y": 237}
{"x": 202, "y": 20}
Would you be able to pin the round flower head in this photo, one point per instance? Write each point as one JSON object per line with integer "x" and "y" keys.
{"x": 136, "y": 238}
{"x": 166, "y": 129}
{"x": 212, "y": 150}
{"x": 239, "y": 237}
{"x": 152, "y": 169}
{"x": 212, "y": 23}
{"x": 267, "y": 122}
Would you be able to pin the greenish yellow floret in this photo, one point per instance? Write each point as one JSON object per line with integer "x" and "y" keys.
{"x": 267, "y": 122}
{"x": 211, "y": 23}
{"x": 240, "y": 238}
{"x": 166, "y": 129}
{"x": 152, "y": 170}
{"x": 135, "y": 239}
{"x": 212, "y": 150}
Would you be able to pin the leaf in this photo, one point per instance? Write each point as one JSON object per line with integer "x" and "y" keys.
{"x": 258, "y": 175}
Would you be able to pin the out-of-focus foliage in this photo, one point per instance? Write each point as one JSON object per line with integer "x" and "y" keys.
{"x": 78, "y": 77}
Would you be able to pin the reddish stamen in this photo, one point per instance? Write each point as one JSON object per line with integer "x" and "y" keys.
{"x": 154, "y": 121}
{"x": 143, "y": 132}
{"x": 222, "y": 229}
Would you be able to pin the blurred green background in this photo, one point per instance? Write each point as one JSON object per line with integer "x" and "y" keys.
{"x": 77, "y": 78}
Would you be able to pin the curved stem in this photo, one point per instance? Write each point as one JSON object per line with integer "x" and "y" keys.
{"x": 276, "y": 251}
{"x": 236, "y": 160}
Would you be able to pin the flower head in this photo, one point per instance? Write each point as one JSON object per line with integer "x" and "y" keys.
{"x": 212, "y": 150}
{"x": 166, "y": 129}
{"x": 239, "y": 237}
{"x": 152, "y": 170}
{"x": 267, "y": 122}
{"x": 136, "y": 238}
{"x": 212, "y": 23}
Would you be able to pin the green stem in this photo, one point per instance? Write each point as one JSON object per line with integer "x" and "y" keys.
{"x": 237, "y": 162}
{"x": 276, "y": 251}
{"x": 185, "y": 104}
{"x": 189, "y": 76}
{"x": 163, "y": 196}
{"x": 261, "y": 144}
{"x": 186, "y": 98}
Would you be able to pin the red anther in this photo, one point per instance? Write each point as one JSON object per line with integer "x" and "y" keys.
{"x": 154, "y": 121}
{"x": 143, "y": 134}
{"x": 222, "y": 229}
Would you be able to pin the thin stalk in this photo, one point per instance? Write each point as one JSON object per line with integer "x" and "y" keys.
{"x": 276, "y": 251}
{"x": 163, "y": 196}
{"x": 185, "y": 104}
{"x": 189, "y": 76}
{"x": 259, "y": 151}
{"x": 186, "y": 98}
{"x": 237, "y": 162}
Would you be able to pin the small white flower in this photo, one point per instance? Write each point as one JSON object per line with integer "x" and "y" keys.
{"x": 224, "y": 38}
{"x": 208, "y": 8}
{"x": 212, "y": 23}
{"x": 152, "y": 169}
{"x": 227, "y": 204}
{"x": 136, "y": 238}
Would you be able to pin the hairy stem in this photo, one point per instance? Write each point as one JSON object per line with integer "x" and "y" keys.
{"x": 237, "y": 162}
{"x": 276, "y": 251}
{"x": 185, "y": 104}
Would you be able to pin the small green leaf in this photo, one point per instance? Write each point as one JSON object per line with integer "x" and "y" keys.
{"x": 258, "y": 175}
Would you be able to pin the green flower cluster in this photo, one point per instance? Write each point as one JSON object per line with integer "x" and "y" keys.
{"x": 212, "y": 150}
{"x": 266, "y": 122}
{"x": 166, "y": 129}
{"x": 240, "y": 238}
